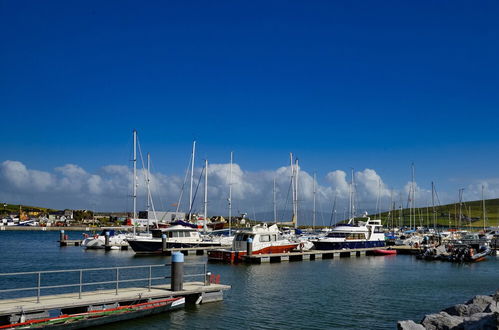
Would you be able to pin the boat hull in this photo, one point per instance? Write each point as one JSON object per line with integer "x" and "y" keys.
{"x": 230, "y": 256}
{"x": 382, "y": 252}
{"x": 91, "y": 319}
{"x": 156, "y": 247}
{"x": 327, "y": 245}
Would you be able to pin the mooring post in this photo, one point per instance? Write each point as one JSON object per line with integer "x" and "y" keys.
{"x": 61, "y": 236}
{"x": 177, "y": 278}
{"x": 106, "y": 241}
{"x": 163, "y": 242}
{"x": 207, "y": 278}
{"x": 249, "y": 246}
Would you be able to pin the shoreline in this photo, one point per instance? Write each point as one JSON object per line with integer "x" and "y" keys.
{"x": 29, "y": 228}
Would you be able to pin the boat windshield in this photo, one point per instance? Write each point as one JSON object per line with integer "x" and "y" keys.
{"x": 244, "y": 237}
{"x": 338, "y": 235}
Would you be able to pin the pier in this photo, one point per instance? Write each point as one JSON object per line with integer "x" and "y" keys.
{"x": 97, "y": 288}
{"x": 309, "y": 255}
{"x": 199, "y": 251}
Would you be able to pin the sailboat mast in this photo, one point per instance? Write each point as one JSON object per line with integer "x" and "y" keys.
{"x": 230, "y": 192}
{"x": 134, "y": 179}
{"x": 313, "y": 214}
{"x": 148, "y": 180}
{"x": 413, "y": 198}
{"x": 274, "y": 202}
{"x": 293, "y": 190}
{"x": 433, "y": 205}
{"x": 460, "y": 206}
{"x": 192, "y": 178}
{"x": 297, "y": 171}
{"x": 483, "y": 208}
{"x": 352, "y": 196}
{"x": 205, "y": 193}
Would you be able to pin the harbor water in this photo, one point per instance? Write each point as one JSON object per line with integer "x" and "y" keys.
{"x": 358, "y": 292}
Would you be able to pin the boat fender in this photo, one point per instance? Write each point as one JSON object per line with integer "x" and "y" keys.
{"x": 472, "y": 252}
{"x": 85, "y": 235}
{"x": 96, "y": 236}
{"x": 301, "y": 246}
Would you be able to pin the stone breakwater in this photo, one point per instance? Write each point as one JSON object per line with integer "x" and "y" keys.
{"x": 481, "y": 312}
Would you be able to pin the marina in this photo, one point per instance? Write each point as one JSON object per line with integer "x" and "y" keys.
{"x": 249, "y": 165}
{"x": 330, "y": 284}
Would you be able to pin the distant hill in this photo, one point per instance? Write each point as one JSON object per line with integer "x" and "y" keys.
{"x": 14, "y": 209}
{"x": 447, "y": 215}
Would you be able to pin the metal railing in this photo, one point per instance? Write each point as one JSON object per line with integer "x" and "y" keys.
{"x": 116, "y": 271}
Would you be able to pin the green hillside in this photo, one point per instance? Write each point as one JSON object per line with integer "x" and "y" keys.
{"x": 14, "y": 209}
{"x": 448, "y": 215}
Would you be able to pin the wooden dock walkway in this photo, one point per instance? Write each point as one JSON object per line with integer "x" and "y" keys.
{"x": 306, "y": 255}
{"x": 70, "y": 301}
{"x": 111, "y": 287}
{"x": 70, "y": 242}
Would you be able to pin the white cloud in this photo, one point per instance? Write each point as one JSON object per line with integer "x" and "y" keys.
{"x": 110, "y": 188}
{"x": 19, "y": 178}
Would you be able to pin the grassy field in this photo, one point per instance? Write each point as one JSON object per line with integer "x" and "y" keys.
{"x": 14, "y": 209}
{"x": 448, "y": 215}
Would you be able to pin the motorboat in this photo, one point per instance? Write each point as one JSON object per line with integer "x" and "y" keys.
{"x": 353, "y": 235}
{"x": 264, "y": 240}
{"x": 98, "y": 241}
{"x": 177, "y": 236}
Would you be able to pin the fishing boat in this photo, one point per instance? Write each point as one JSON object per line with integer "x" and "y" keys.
{"x": 265, "y": 239}
{"x": 177, "y": 236}
{"x": 353, "y": 235}
{"x": 101, "y": 317}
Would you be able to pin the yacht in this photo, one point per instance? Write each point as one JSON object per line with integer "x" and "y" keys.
{"x": 354, "y": 235}
{"x": 265, "y": 240}
{"x": 177, "y": 236}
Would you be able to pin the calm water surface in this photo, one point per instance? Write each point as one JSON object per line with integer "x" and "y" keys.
{"x": 367, "y": 292}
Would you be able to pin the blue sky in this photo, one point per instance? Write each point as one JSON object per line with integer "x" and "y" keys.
{"x": 362, "y": 84}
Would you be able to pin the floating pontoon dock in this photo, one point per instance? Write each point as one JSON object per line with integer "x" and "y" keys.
{"x": 115, "y": 288}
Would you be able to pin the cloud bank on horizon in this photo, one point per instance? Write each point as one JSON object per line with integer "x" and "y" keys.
{"x": 109, "y": 189}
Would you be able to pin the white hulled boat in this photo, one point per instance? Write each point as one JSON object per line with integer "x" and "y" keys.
{"x": 99, "y": 241}
{"x": 354, "y": 235}
{"x": 265, "y": 239}
{"x": 177, "y": 236}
